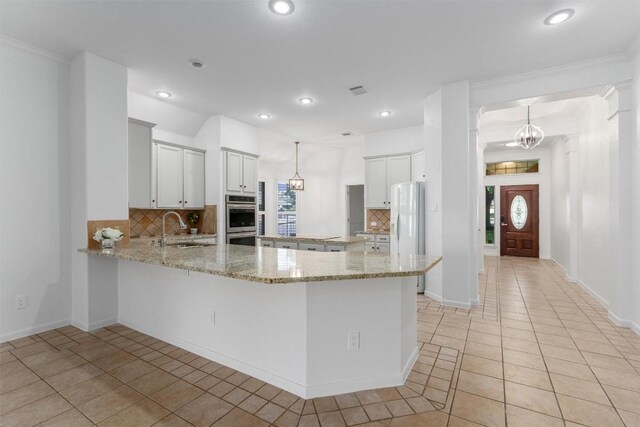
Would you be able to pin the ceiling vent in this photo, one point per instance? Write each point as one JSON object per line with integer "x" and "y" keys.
{"x": 346, "y": 133}
{"x": 358, "y": 90}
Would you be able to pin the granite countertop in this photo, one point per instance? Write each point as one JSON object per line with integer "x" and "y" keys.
{"x": 271, "y": 265}
{"x": 385, "y": 232}
{"x": 332, "y": 240}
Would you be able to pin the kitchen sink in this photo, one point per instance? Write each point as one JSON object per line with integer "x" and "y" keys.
{"x": 186, "y": 245}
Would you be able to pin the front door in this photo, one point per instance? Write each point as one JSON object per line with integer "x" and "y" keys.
{"x": 519, "y": 221}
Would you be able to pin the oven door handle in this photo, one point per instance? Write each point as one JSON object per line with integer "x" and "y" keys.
{"x": 242, "y": 206}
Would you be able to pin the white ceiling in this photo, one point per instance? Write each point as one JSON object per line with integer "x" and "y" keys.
{"x": 260, "y": 62}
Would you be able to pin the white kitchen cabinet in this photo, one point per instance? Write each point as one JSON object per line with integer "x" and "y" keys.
{"x": 249, "y": 174}
{"x": 383, "y": 247}
{"x": 193, "y": 179}
{"x": 140, "y": 162}
{"x": 398, "y": 170}
{"x": 169, "y": 176}
{"x": 241, "y": 175}
{"x": 376, "y": 183}
{"x": 267, "y": 243}
{"x": 380, "y": 174}
{"x": 287, "y": 245}
{"x": 310, "y": 247}
{"x": 419, "y": 166}
{"x": 179, "y": 176}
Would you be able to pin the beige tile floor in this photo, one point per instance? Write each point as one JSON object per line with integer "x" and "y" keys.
{"x": 536, "y": 351}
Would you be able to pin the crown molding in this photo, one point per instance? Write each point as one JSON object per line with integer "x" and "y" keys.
{"x": 515, "y": 78}
{"x": 32, "y": 49}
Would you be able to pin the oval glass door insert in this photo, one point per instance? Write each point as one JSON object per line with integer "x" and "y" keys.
{"x": 519, "y": 212}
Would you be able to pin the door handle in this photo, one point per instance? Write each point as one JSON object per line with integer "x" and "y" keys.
{"x": 504, "y": 224}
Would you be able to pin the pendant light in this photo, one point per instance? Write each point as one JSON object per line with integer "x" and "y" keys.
{"x": 296, "y": 183}
{"x": 529, "y": 136}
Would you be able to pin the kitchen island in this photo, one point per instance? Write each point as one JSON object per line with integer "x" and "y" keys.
{"x": 314, "y": 324}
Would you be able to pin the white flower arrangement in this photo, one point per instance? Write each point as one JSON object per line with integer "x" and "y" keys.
{"x": 108, "y": 233}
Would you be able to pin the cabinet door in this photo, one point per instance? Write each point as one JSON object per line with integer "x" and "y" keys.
{"x": 139, "y": 144}
{"x": 398, "y": 170}
{"x": 287, "y": 245}
{"x": 376, "y": 183}
{"x": 249, "y": 174}
{"x": 193, "y": 179}
{"x": 418, "y": 166}
{"x": 383, "y": 247}
{"x": 169, "y": 181}
{"x": 234, "y": 172}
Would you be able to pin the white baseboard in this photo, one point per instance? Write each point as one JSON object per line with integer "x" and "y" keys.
{"x": 87, "y": 327}
{"x": 304, "y": 391}
{"x": 625, "y": 323}
{"x": 33, "y": 330}
{"x": 615, "y": 319}
{"x": 433, "y": 296}
{"x": 457, "y": 304}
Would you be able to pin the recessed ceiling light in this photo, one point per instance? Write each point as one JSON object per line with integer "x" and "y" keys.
{"x": 163, "y": 94}
{"x": 264, "y": 116}
{"x": 306, "y": 101}
{"x": 281, "y": 7}
{"x": 511, "y": 144}
{"x": 384, "y": 113}
{"x": 559, "y": 16}
{"x": 196, "y": 63}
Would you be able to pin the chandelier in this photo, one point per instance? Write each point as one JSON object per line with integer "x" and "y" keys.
{"x": 529, "y": 136}
{"x": 296, "y": 183}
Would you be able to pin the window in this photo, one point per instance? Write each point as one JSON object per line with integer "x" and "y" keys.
{"x": 519, "y": 212}
{"x": 490, "y": 214}
{"x": 261, "y": 212}
{"x": 513, "y": 167}
{"x": 286, "y": 209}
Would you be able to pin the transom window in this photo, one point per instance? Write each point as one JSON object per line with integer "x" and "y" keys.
{"x": 512, "y": 167}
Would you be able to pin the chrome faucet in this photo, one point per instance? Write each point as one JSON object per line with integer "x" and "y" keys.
{"x": 163, "y": 239}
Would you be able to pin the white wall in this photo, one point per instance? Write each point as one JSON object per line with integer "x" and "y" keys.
{"x": 394, "y": 141}
{"x": 327, "y": 169}
{"x": 635, "y": 291}
{"x": 542, "y": 179}
{"x": 173, "y": 124}
{"x": 34, "y": 189}
{"x": 560, "y": 203}
{"x": 594, "y": 262}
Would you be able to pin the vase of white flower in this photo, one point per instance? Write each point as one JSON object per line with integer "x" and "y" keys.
{"x": 108, "y": 237}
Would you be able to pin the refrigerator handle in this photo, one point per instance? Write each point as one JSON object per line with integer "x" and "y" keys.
{"x": 398, "y": 227}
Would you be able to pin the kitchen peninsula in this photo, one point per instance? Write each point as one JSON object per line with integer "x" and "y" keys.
{"x": 312, "y": 323}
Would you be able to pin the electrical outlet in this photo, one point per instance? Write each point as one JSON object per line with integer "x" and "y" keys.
{"x": 212, "y": 318}
{"x": 21, "y": 302}
{"x": 374, "y": 223}
{"x": 353, "y": 340}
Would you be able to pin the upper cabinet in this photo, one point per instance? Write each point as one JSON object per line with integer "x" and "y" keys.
{"x": 193, "y": 179}
{"x": 140, "y": 137}
{"x": 241, "y": 173}
{"x": 163, "y": 175}
{"x": 382, "y": 172}
{"x": 180, "y": 177}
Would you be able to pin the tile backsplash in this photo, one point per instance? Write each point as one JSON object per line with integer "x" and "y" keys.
{"x": 148, "y": 222}
{"x": 382, "y": 218}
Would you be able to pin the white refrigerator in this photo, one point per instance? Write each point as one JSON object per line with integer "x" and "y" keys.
{"x": 408, "y": 221}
